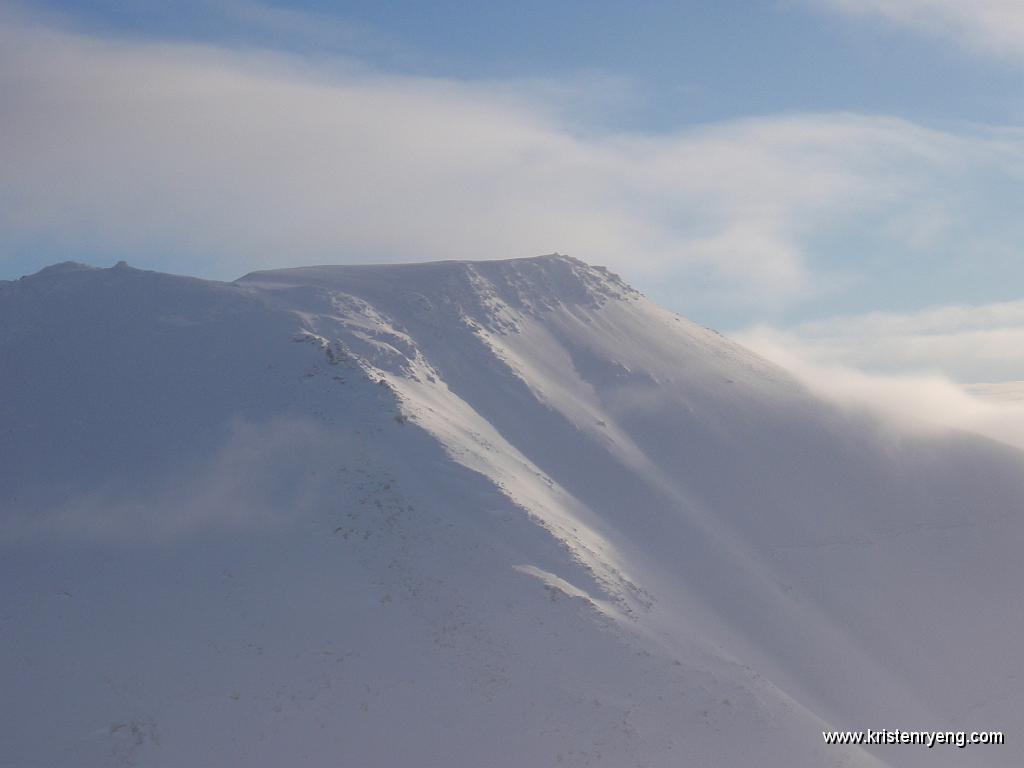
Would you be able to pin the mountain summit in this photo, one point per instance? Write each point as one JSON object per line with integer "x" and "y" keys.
{"x": 497, "y": 513}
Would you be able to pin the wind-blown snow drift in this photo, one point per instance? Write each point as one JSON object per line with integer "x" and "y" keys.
{"x": 496, "y": 514}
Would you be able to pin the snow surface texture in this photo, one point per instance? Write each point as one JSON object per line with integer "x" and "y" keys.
{"x": 472, "y": 514}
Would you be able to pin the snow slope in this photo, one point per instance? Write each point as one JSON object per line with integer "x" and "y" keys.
{"x": 483, "y": 514}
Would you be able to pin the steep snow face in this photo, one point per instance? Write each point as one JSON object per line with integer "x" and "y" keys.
{"x": 496, "y": 513}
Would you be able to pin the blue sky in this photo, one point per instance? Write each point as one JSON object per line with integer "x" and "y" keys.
{"x": 685, "y": 62}
{"x": 773, "y": 169}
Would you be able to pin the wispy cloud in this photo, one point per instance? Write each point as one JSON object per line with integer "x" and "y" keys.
{"x": 990, "y": 26}
{"x": 922, "y": 401}
{"x": 234, "y": 159}
{"x": 314, "y": 30}
{"x": 901, "y": 364}
{"x": 265, "y": 475}
{"x": 969, "y": 343}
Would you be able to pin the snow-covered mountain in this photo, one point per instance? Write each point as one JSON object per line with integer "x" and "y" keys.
{"x": 505, "y": 513}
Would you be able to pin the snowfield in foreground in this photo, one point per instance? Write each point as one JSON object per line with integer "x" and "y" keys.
{"x": 489, "y": 514}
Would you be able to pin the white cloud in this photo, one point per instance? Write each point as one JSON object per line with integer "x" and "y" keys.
{"x": 315, "y": 30}
{"x": 968, "y": 343}
{"x": 238, "y": 159}
{"x": 929, "y": 402}
{"x": 999, "y": 392}
{"x": 901, "y": 364}
{"x": 991, "y": 26}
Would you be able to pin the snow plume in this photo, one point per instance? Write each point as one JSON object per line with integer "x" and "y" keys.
{"x": 262, "y": 476}
{"x": 925, "y": 400}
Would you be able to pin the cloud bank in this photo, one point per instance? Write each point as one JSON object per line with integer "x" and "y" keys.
{"x": 969, "y": 343}
{"x": 863, "y": 360}
{"x": 232, "y": 159}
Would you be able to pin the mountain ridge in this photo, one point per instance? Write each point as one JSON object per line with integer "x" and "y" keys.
{"x": 522, "y": 472}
